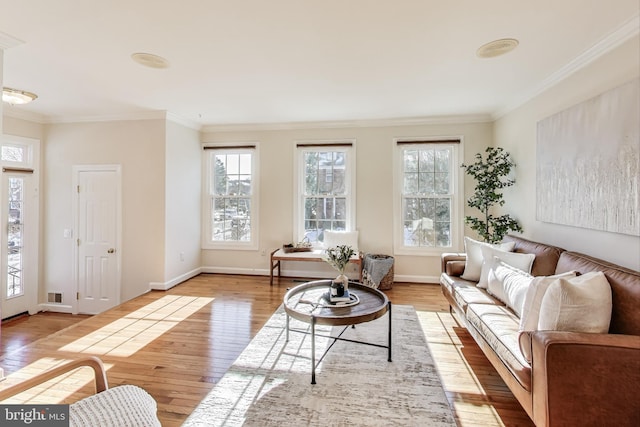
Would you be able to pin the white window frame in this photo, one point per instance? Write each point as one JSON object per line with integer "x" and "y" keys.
{"x": 457, "y": 195}
{"x": 348, "y": 146}
{"x": 209, "y": 151}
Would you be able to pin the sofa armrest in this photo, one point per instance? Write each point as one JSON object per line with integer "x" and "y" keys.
{"x": 452, "y": 262}
{"x": 585, "y": 379}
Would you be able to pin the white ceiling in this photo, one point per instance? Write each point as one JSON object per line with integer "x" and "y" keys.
{"x": 289, "y": 61}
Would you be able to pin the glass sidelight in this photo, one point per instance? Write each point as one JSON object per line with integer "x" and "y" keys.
{"x": 15, "y": 237}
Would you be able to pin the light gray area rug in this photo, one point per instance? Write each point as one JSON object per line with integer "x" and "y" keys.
{"x": 270, "y": 382}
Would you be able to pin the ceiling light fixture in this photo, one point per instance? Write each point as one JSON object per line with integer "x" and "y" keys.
{"x": 17, "y": 97}
{"x": 496, "y": 48}
{"x": 150, "y": 60}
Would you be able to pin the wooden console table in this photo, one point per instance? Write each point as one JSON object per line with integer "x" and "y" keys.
{"x": 278, "y": 255}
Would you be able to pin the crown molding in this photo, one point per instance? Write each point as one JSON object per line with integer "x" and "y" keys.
{"x": 175, "y": 118}
{"x": 408, "y": 121}
{"x": 7, "y": 41}
{"x": 626, "y": 31}
{"x": 16, "y": 113}
{"x": 142, "y": 115}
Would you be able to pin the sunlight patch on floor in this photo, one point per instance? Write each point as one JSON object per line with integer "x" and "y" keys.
{"x": 57, "y": 390}
{"x": 130, "y": 333}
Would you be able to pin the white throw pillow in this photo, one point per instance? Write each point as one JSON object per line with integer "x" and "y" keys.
{"x": 509, "y": 285}
{"x": 520, "y": 261}
{"x": 473, "y": 264}
{"x": 580, "y": 304}
{"x": 336, "y": 238}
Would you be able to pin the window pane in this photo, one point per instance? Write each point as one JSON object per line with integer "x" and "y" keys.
{"x": 443, "y": 234}
{"x": 443, "y": 210}
{"x": 410, "y": 209}
{"x": 411, "y": 183}
{"x": 341, "y": 209}
{"x": 311, "y": 173}
{"x": 442, "y": 183}
{"x": 442, "y": 160}
{"x": 15, "y": 240}
{"x": 410, "y": 161}
{"x": 426, "y": 161}
{"x": 426, "y": 183}
{"x": 11, "y": 153}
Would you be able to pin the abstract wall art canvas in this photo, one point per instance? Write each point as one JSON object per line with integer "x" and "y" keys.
{"x": 588, "y": 163}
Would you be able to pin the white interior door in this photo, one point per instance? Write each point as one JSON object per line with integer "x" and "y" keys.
{"x": 98, "y": 225}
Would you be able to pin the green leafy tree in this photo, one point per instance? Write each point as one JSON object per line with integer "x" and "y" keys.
{"x": 490, "y": 175}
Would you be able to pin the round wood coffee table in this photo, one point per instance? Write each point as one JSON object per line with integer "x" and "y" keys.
{"x": 305, "y": 303}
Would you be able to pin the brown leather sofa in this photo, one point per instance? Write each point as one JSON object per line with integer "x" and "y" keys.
{"x": 574, "y": 379}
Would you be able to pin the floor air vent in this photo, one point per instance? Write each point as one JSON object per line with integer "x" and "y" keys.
{"x": 54, "y": 297}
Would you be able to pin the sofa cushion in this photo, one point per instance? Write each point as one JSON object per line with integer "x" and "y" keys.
{"x": 473, "y": 263}
{"x": 520, "y": 261}
{"x": 465, "y": 295}
{"x": 578, "y": 304}
{"x": 499, "y": 328}
{"x": 547, "y": 256}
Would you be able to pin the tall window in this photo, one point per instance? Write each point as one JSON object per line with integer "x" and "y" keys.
{"x": 428, "y": 202}
{"x": 231, "y": 197}
{"x": 326, "y": 189}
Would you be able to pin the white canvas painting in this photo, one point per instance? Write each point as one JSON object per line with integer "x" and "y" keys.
{"x": 588, "y": 163}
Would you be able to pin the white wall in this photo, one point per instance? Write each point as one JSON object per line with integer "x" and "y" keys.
{"x": 374, "y": 180}
{"x": 516, "y": 132}
{"x": 139, "y": 146}
{"x": 182, "y": 204}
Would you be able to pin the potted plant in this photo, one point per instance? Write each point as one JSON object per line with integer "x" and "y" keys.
{"x": 338, "y": 257}
{"x": 490, "y": 175}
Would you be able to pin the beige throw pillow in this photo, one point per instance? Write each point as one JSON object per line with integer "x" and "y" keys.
{"x": 520, "y": 261}
{"x": 473, "y": 264}
{"x": 531, "y": 309}
{"x": 533, "y": 299}
{"x": 579, "y": 304}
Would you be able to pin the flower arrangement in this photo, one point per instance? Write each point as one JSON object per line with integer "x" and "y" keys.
{"x": 338, "y": 257}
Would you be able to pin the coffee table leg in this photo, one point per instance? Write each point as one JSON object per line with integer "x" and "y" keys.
{"x": 313, "y": 349}
{"x": 389, "y": 314}
{"x": 287, "y": 334}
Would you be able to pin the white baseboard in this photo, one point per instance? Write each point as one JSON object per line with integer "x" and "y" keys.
{"x": 56, "y": 308}
{"x": 313, "y": 274}
{"x": 163, "y": 286}
{"x": 416, "y": 279}
{"x": 236, "y": 270}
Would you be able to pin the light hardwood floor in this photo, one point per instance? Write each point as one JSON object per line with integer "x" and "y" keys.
{"x": 177, "y": 344}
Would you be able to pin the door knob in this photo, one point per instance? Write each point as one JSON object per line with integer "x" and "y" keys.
{"x": 111, "y": 250}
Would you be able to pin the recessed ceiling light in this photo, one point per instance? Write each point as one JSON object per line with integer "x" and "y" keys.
{"x": 17, "y": 97}
{"x": 150, "y": 60}
{"x": 496, "y": 48}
